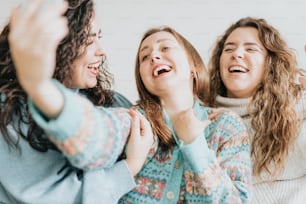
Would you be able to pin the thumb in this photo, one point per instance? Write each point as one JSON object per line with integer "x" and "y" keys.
{"x": 13, "y": 15}
{"x": 135, "y": 128}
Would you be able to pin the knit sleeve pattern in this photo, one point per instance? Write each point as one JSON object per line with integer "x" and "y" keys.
{"x": 221, "y": 173}
{"x": 90, "y": 137}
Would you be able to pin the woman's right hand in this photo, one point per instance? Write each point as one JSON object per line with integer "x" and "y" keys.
{"x": 36, "y": 28}
{"x": 140, "y": 142}
{"x": 187, "y": 126}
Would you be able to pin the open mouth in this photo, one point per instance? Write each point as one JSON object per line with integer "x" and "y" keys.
{"x": 94, "y": 68}
{"x": 238, "y": 69}
{"x": 161, "y": 70}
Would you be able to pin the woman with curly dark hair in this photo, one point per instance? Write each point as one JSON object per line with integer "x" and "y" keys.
{"x": 254, "y": 73}
{"x": 32, "y": 169}
{"x": 200, "y": 155}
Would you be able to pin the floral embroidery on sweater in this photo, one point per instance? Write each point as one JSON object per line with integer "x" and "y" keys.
{"x": 228, "y": 139}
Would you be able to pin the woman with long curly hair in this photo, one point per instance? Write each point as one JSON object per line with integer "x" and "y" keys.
{"x": 254, "y": 73}
{"x": 200, "y": 154}
{"x": 32, "y": 169}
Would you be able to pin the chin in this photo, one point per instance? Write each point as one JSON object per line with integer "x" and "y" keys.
{"x": 91, "y": 85}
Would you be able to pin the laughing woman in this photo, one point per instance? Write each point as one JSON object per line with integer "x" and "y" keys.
{"x": 254, "y": 73}
{"x": 201, "y": 154}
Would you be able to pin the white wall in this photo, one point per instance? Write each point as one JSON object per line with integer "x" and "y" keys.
{"x": 200, "y": 21}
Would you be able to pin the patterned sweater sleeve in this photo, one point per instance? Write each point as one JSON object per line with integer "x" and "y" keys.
{"x": 89, "y": 136}
{"x": 218, "y": 167}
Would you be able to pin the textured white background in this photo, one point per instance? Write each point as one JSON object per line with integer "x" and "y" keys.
{"x": 200, "y": 21}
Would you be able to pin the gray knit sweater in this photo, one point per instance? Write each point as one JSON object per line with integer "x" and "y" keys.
{"x": 290, "y": 186}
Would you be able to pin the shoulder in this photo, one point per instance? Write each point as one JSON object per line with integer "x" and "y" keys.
{"x": 120, "y": 100}
{"x": 226, "y": 119}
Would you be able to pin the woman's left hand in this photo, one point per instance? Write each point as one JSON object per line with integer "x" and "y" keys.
{"x": 140, "y": 142}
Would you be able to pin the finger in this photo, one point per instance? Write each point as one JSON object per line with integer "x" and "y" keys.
{"x": 29, "y": 8}
{"x": 13, "y": 16}
{"x": 135, "y": 128}
{"x": 144, "y": 124}
{"x": 305, "y": 48}
{"x": 58, "y": 7}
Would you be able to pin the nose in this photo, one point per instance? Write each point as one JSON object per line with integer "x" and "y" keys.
{"x": 100, "y": 51}
{"x": 155, "y": 56}
{"x": 238, "y": 53}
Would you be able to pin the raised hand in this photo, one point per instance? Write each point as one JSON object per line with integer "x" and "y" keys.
{"x": 36, "y": 28}
{"x": 187, "y": 126}
{"x": 140, "y": 142}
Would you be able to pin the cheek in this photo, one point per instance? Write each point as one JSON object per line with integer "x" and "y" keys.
{"x": 144, "y": 71}
{"x": 222, "y": 66}
{"x": 222, "y": 75}
{"x": 142, "y": 75}
{"x": 260, "y": 65}
{"x": 223, "y": 60}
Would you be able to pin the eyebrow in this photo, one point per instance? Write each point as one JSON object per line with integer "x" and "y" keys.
{"x": 158, "y": 41}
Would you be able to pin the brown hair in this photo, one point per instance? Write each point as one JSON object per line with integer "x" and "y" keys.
{"x": 151, "y": 103}
{"x": 272, "y": 108}
{"x": 13, "y": 104}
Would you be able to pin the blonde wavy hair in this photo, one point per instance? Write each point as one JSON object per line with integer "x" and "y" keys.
{"x": 272, "y": 108}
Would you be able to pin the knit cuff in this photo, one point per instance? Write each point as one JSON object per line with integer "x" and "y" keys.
{"x": 64, "y": 123}
{"x": 197, "y": 154}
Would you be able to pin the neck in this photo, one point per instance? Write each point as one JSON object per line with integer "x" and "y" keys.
{"x": 177, "y": 101}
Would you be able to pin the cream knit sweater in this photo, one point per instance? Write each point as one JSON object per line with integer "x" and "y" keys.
{"x": 290, "y": 186}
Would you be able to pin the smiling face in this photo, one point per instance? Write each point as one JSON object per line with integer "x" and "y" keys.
{"x": 86, "y": 67}
{"x": 163, "y": 64}
{"x": 242, "y": 62}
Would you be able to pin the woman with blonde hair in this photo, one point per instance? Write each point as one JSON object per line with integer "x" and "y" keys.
{"x": 200, "y": 155}
{"x": 254, "y": 73}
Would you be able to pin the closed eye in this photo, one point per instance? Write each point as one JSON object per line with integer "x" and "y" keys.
{"x": 144, "y": 57}
{"x": 252, "y": 49}
{"x": 228, "y": 50}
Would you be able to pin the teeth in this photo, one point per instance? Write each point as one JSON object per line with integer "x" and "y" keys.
{"x": 158, "y": 69}
{"x": 96, "y": 66}
{"x": 237, "y": 68}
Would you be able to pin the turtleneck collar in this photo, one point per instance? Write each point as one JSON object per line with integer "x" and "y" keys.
{"x": 238, "y": 105}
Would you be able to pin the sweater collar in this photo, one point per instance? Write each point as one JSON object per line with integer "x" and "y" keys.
{"x": 239, "y": 105}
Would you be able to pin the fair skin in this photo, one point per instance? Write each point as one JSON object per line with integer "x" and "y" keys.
{"x": 242, "y": 62}
{"x": 86, "y": 66}
{"x": 164, "y": 67}
{"x": 162, "y": 58}
{"x": 34, "y": 57}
